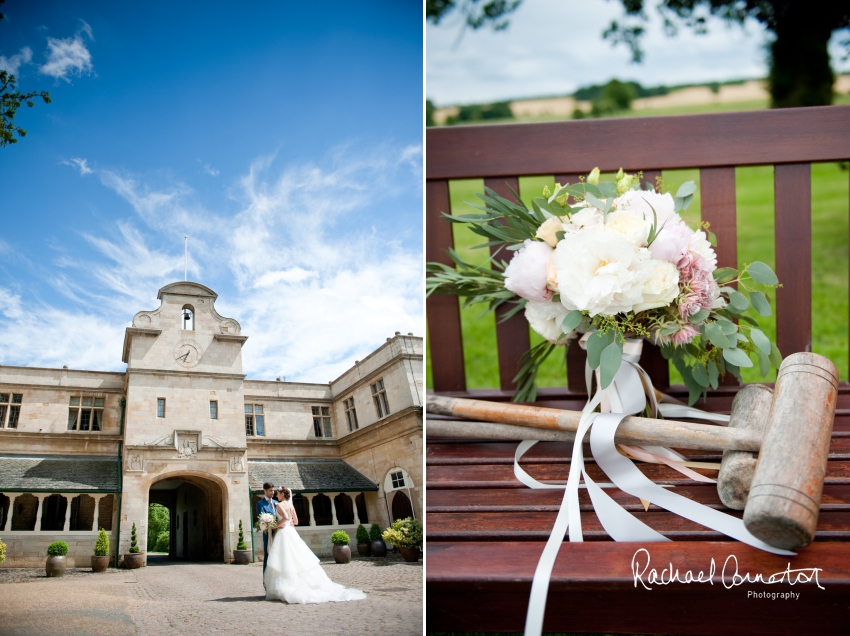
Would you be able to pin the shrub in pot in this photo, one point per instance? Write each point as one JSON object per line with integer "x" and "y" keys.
{"x": 364, "y": 548}
{"x": 135, "y": 559}
{"x": 2, "y": 551}
{"x": 241, "y": 555}
{"x": 379, "y": 548}
{"x": 342, "y": 551}
{"x": 56, "y": 552}
{"x": 406, "y": 535}
{"x": 100, "y": 560}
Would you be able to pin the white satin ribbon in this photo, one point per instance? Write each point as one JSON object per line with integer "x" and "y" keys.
{"x": 626, "y": 395}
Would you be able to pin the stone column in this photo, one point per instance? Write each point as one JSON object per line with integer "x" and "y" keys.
{"x": 332, "y": 496}
{"x": 312, "y": 520}
{"x": 356, "y": 513}
{"x": 38, "y": 510}
{"x": 12, "y": 497}
{"x": 97, "y": 499}
{"x": 68, "y": 500}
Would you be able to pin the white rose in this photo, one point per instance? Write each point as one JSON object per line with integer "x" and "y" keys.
{"x": 587, "y": 217}
{"x": 634, "y": 229}
{"x": 638, "y": 202}
{"x": 549, "y": 228}
{"x": 662, "y": 286}
{"x": 525, "y": 275}
{"x": 546, "y": 318}
{"x": 699, "y": 244}
{"x": 600, "y": 272}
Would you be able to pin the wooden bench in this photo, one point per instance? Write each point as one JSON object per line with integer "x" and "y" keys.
{"x": 486, "y": 531}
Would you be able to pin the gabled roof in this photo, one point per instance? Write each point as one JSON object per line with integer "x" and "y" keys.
{"x": 59, "y": 473}
{"x": 308, "y": 475}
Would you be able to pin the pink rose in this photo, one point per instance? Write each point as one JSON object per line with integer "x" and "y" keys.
{"x": 526, "y": 274}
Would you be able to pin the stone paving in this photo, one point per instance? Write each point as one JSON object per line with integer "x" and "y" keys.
{"x": 174, "y": 597}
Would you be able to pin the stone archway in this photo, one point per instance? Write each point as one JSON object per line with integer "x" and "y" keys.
{"x": 196, "y": 505}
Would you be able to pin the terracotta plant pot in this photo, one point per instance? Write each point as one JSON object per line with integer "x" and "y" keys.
{"x": 342, "y": 553}
{"x": 410, "y": 554}
{"x": 379, "y": 548}
{"x": 99, "y": 563}
{"x": 364, "y": 549}
{"x": 134, "y": 561}
{"x": 55, "y": 565}
{"x": 242, "y": 557}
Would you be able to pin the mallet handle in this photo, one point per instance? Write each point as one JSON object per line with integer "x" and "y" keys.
{"x": 633, "y": 430}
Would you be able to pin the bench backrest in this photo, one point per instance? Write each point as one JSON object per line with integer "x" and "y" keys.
{"x": 789, "y": 139}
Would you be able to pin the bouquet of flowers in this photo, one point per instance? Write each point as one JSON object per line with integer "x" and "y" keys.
{"x": 265, "y": 521}
{"x": 617, "y": 262}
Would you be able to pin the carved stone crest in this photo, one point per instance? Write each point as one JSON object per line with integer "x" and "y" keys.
{"x": 236, "y": 465}
{"x": 188, "y": 448}
{"x": 135, "y": 462}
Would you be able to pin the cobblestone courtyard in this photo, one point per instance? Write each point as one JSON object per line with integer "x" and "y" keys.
{"x": 194, "y": 598}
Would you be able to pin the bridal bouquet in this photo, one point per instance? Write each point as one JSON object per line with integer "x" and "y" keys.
{"x": 265, "y": 521}
{"x": 617, "y": 262}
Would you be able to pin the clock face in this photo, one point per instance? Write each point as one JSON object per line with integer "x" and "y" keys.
{"x": 187, "y": 353}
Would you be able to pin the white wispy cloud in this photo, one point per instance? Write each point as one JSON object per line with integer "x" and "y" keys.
{"x": 81, "y": 165}
{"x": 210, "y": 170}
{"x": 13, "y": 63}
{"x": 69, "y": 56}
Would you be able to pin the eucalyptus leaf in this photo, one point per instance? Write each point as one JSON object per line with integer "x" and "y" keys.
{"x": 608, "y": 189}
{"x": 571, "y": 321}
{"x": 686, "y": 201}
{"x": 715, "y": 335}
{"x": 731, "y": 368}
{"x": 592, "y": 200}
{"x": 700, "y": 374}
{"x": 764, "y": 363}
{"x": 775, "y": 356}
{"x": 738, "y": 300}
{"x": 712, "y": 238}
{"x": 737, "y": 357}
{"x": 687, "y": 188}
{"x": 610, "y": 361}
{"x": 727, "y": 326}
{"x": 761, "y": 273}
{"x": 713, "y": 375}
{"x": 698, "y": 317}
{"x": 725, "y": 274}
{"x": 596, "y": 343}
{"x": 694, "y": 388}
{"x": 760, "y": 340}
{"x": 760, "y": 303}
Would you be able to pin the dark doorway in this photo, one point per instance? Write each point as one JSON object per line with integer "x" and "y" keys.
{"x": 195, "y": 508}
{"x": 401, "y": 506}
{"x": 185, "y": 547}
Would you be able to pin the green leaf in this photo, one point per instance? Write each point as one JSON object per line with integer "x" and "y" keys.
{"x": 725, "y": 274}
{"x": 698, "y": 317}
{"x": 713, "y": 375}
{"x": 762, "y": 273}
{"x": 686, "y": 201}
{"x": 700, "y": 374}
{"x": 592, "y": 200}
{"x": 608, "y": 189}
{"x": 775, "y": 356}
{"x": 737, "y": 357}
{"x": 694, "y": 388}
{"x": 595, "y": 345}
{"x": 727, "y": 327}
{"x": 712, "y": 238}
{"x": 760, "y": 340}
{"x": 687, "y": 188}
{"x": 571, "y": 321}
{"x": 715, "y": 335}
{"x": 738, "y": 301}
{"x": 760, "y": 303}
{"x": 764, "y": 363}
{"x": 731, "y": 368}
{"x": 610, "y": 360}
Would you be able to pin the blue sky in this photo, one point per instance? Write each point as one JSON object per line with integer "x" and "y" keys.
{"x": 285, "y": 139}
{"x": 553, "y": 47}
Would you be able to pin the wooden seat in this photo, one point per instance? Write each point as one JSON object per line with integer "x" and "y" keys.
{"x": 486, "y": 531}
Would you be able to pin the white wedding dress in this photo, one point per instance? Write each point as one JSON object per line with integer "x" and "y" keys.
{"x": 293, "y": 573}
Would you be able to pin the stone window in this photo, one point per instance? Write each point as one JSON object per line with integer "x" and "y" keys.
{"x": 398, "y": 479}
{"x": 10, "y": 409}
{"x": 322, "y": 421}
{"x": 255, "y": 423}
{"x": 322, "y": 510}
{"x": 344, "y": 509}
{"x": 302, "y": 509}
{"x": 160, "y": 407}
{"x": 360, "y": 502}
{"x": 188, "y": 318}
{"x": 379, "y": 395}
{"x": 350, "y": 414}
{"x": 85, "y": 413}
{"x": 213, "y": 410}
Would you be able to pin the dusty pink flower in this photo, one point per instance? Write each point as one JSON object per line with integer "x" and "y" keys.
{"x": 526, "y": 274}
{"x": 684, "y": 335}
{"x": 699, "y": 290}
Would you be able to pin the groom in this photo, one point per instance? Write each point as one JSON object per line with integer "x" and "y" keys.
{"x": 266, "y": 504}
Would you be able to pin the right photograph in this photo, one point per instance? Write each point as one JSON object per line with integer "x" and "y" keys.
{"x": 638, "y": 409}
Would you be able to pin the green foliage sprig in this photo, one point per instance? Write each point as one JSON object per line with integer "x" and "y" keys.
{"x": 101, "y": 546}
{"x": 57, "y": 548}
{"x": 10, "y": 102}
{"x": 2, "y": 551}
{"x": 362, "y": 534}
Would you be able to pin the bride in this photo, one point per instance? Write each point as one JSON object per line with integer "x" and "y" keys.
{"x": 293, "y": 573}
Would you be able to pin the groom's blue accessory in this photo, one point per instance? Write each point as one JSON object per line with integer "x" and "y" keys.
{"x": 263, "y": 505}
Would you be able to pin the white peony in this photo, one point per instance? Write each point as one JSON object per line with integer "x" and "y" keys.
{"x": 587, "y": 217}
{"x": 600, "y": 272}
{"x": 673, "y": 243}
{"x": 634, "y": 229}
{"x": 546, "y": 318}
{"x": 525, "y": 275}
{"x": 699, "y": 245}
{"x": 548, "y": 230}
{"x": 662, "y": 286}
{"x": 641, "y": 203}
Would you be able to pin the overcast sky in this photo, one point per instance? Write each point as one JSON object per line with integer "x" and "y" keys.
{"x": 286, "y": 144}
{"x": 554, "y": 47}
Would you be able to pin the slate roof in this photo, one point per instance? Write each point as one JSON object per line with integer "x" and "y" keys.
{"x": 59, "y": 472}
{"x": 308, "y": 475}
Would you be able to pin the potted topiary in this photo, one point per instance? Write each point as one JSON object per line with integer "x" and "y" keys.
{"x": 342, "y": 551}
{"x": 56, "y": 552}
{"x": 379, "y": 548}
{"x": 241, "y": 555}
{"x": 100, "y": 560}
{"x": 135, "y": 559}
{"x": 364, "y": 548}
{"x": 2, "y": 551}
{"x": 406, "y": 535}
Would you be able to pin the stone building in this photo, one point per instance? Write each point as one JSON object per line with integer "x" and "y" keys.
{"x": 83, "y": 450}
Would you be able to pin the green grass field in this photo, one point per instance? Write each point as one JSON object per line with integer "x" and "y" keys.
{"x": 830, "y": 207}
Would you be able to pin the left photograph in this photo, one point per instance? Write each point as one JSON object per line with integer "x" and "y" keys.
{"x": 211, "y": 318}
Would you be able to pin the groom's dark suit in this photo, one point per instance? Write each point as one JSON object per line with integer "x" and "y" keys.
{"x": 263, "y": 505}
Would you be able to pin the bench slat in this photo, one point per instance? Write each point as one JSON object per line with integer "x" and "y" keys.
{"x": 445, "y": 342}
{"x": 793, "y": 209}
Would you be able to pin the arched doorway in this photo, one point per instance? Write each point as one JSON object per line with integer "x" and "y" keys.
{"x": 195, "y": 506}
{"x": 398, "y": 491}
{"x": 401, "y": 507}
